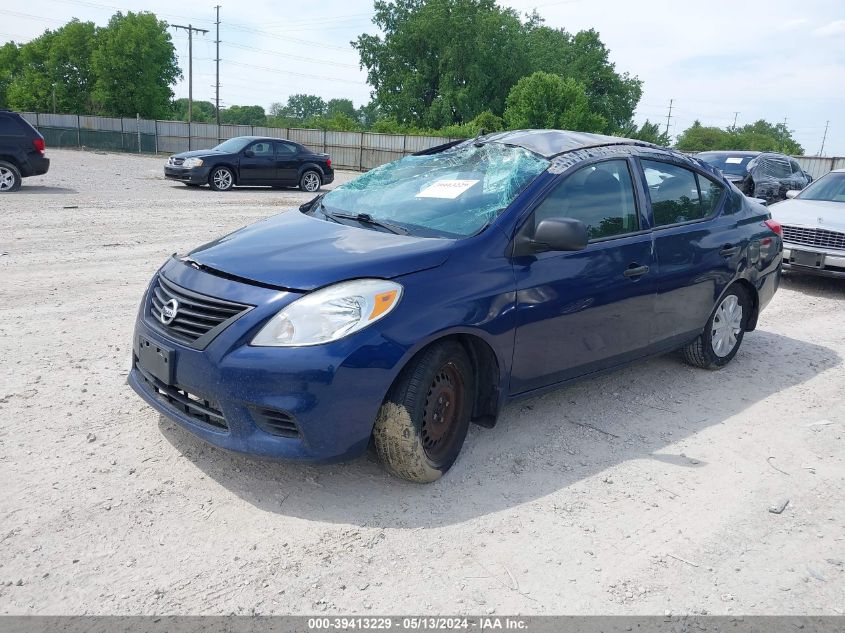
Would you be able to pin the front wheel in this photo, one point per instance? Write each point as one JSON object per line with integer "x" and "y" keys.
{"x": 310, "y": 181}
{"x": 221, "y": 179}
{"x": 10, "y": 177}
{"x": 716, "y": 346}
{"x": 422, "y": 424}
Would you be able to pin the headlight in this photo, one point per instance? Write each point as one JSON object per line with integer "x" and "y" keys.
{"x": 330, "y": 314}
{"x": 190, "y": 163}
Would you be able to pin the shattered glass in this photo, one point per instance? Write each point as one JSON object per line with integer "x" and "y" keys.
{"x": 454, "y": 193}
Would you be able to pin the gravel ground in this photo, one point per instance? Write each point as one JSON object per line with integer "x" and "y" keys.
{"x": 642, "y": 492}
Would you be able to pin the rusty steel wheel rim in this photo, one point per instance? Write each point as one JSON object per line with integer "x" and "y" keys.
{"x": 443, "y": 403}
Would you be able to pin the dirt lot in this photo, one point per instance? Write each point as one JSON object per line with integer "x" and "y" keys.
{"x": 662, "y": 506}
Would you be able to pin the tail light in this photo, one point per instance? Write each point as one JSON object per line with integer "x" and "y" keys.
{"x": 328, "y": 162}
{"x": 775, "y": 226}
{"x": 39, "y": 145}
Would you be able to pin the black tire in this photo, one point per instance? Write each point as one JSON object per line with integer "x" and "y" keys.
{"x": 221, "y": 179}
{"x": 310, "y": 181}
{"x": 10, "y": 177}
{"x": 703, "y": 352}
{"x": 423, "y": 421}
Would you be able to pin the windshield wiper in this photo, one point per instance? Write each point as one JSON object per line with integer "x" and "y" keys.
{"x": 364, "y": 218}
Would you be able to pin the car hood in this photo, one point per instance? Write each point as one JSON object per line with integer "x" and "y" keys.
{"x": 197, "y": 153}
{"x": 299, "y": 252}
{"x": 815, "y": 213}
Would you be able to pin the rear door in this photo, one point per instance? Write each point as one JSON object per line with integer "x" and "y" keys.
{"x": 258, "y": 163}
{"x": 583, "y": 311}
{"x": 697, "y": 247}
{"x": 287, "y": 162}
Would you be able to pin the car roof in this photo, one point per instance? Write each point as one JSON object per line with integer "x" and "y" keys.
{"x": 728, "y": 152}
{"x": 264, "y": 138}
{"x": 550, "y": 143}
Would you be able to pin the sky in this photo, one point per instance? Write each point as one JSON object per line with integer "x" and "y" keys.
{"x": 716, "y": 60}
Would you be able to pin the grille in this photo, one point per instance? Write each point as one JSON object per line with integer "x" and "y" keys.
{"x": 176, "y": 161}
{"x": 183, "y": 401}
{"x": 276, "y": 422}
{"x": 821, "y": 238}
{"x": 196, "y": 314}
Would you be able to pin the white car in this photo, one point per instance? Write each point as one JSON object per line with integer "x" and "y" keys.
{"x": 813, "y": 223}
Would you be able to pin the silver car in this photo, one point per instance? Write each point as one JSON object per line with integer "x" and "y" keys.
{"x": 813, "y": 223}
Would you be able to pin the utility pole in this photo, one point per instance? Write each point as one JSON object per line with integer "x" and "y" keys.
{"x": 669, "y": 116}
{"x": 824, "y": 138}
{"x": 217, "y": 73}
{"x": 736, "y": 114}
{"x": 190, "y": 29}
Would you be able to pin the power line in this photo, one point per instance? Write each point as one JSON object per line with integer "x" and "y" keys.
{"x": 288, "y": 55}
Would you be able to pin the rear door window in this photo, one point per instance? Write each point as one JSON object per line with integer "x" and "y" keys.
{"x": 10, "y": 127}
{"x": 285, "y": 150}
{"x": 680, "y": 195}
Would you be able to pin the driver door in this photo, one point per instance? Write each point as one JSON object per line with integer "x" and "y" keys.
{"x": 257, "y": 163}
{"x": 583, "y": 311}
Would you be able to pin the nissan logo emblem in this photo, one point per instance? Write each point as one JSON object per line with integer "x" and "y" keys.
{"x": 168, "y": 312}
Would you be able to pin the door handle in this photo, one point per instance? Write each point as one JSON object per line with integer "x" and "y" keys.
{"x": 634, "y": 271}
{"x": 728, "y": 250}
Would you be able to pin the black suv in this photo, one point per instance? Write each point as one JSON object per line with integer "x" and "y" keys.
{"x": 21, "y": 151}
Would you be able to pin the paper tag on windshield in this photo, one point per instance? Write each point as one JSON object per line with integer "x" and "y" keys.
{"x": 733, "y": 160}
{"x": 449, "y": 189}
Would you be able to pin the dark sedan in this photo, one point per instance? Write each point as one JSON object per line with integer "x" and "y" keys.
{"x": 252, "y": 160}
{"x": 764, "y": 175}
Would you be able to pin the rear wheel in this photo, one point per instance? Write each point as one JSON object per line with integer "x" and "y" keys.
{"x": 716, "y": 346}
{"x": 423, "y": 422}
{"x": 10, "y": 177}
{"x": 310, "y": 181}
{"x": 221, "y": 179}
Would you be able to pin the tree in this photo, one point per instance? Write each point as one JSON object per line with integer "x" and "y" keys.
{"x": 9, "y": 68}
{"x": 759, "y": 136}
{"x": 243, "y": 115}
{"x": 302, "y": 106}
{"x": 648, "y": 132}
{"x": 343, "y": 107}
{"x": 203, "y": 111}
{"x": 585, "y": 58}
{"x": 544, "y": 100}
{"x": 54, "y": 70}
{"x": 442, "y": 61}
{"x": 135, "y": 64}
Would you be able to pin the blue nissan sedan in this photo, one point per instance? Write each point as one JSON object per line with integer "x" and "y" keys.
{"x": 427, "y": 293}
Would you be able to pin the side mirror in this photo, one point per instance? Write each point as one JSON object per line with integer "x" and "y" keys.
{"x": 792, "y": 193}
{"x": 249, "y": 153}
{"x": 553, "y": 234}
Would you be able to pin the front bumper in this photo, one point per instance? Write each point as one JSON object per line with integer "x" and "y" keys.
{"x": 822, "y": 263}
{"x": 331, "y": 392}
{"x": 196, "y": 176}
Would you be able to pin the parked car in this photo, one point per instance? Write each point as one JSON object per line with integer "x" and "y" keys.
{"x": 252, "y": 160}
{"x": 764, "y": 175}
{"x": 814, "y": 227}
{"x": 429, "y": 292}
{"x": 22, "y": 151}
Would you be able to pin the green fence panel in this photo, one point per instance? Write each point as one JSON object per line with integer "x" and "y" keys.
{"x": 59, "y": 136}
